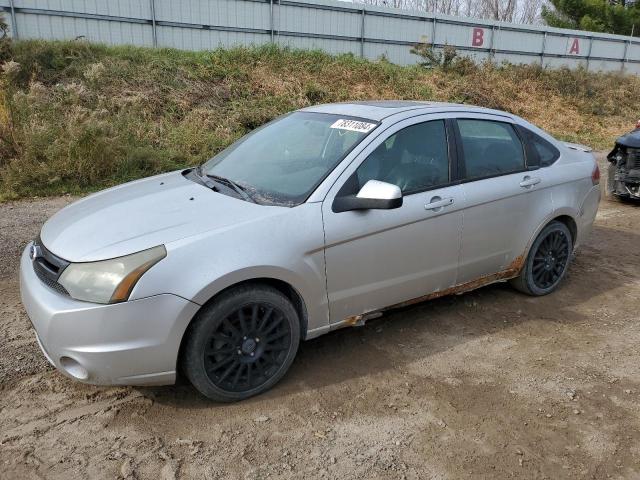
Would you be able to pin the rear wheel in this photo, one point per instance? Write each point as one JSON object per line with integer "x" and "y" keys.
{"x": 547, "y": 262}
{"x": 241, "y": 344}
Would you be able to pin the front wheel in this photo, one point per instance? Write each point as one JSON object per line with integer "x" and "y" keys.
{"x": 242, "y": 343}
{"x": 547, "y": 261}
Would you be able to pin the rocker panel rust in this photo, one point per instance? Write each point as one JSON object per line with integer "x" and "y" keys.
{"x": 511, "y": 271}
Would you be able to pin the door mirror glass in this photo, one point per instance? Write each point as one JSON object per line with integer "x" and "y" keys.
{"x": 374, "y": 195}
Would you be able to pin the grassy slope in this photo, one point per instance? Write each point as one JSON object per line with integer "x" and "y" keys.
{"x": 76, "y": 117}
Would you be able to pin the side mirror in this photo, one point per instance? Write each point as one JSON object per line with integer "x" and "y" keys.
{"x": 374, "y": 195}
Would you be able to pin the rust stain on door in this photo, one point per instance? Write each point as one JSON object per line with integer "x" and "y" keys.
{"x": 512, "y": 270}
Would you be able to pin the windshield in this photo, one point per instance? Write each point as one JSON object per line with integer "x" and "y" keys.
{"x": 282, "y": 162}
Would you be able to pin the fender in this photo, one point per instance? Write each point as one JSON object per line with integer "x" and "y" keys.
{"x": 317, "y": 315}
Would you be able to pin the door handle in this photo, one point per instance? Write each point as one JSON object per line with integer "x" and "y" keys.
{"x": 528, "y": 181}
{"x": 437, "y": 203}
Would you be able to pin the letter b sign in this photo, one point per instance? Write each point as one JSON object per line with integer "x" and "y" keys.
{"x": 477, "y": 37}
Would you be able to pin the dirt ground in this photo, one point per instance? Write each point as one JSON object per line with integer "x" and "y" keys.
{"x": 490, "y": 384}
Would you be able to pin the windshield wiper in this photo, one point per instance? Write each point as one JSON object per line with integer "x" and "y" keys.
{"x": 242, "y": 191}
{"x": 203, "y": 179}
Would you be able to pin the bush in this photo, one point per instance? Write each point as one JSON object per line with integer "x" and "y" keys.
{"x": 5, "y": 40}
{"x": 432, "y": 58}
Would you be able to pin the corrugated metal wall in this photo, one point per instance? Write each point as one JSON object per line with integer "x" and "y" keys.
{"x": 336, "y": 27}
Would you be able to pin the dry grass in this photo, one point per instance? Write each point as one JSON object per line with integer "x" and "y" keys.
{"x": 76, "y": 117}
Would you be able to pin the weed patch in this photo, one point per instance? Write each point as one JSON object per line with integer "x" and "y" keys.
{"x": 77, "y": 117}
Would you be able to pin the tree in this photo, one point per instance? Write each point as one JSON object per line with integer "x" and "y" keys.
{"x": 519, "y": 11}
{"x": 611, "y": 16}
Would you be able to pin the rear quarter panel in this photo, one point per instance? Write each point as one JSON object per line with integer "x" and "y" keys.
{"x": 573, "y": 192}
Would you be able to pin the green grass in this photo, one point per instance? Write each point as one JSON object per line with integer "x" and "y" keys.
{"x": 77, "y": 117}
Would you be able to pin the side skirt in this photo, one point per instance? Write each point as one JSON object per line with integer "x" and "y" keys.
{"x": 512, "y": 271}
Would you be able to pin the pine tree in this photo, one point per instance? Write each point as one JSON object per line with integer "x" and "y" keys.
{"x": 612, "y": 16}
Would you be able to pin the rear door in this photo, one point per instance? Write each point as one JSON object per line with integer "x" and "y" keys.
{"x": 506, "y": 195}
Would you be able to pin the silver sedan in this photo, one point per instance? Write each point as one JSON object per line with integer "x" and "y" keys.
{"x": 320, "y": 219}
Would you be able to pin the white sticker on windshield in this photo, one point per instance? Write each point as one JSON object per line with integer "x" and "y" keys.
{"x": 353, "y": 125}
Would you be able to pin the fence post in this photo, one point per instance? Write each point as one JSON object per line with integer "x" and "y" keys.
{"x": 14, "y": 25}
{"x": 492, "y": 44}
{"x": 589, "y": 52}
{"x": 624, "y": 58}
{"x": 271, "y": 18}
{"x": 154, "y": 33}
{"x": 433, "y": 33}
{"x": 362, "y": 33}
{"x": 274, "y": 19}
{"x": 544, "y": 46}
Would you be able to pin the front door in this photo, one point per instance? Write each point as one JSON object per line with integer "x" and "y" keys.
{"x": 379, "y": 258}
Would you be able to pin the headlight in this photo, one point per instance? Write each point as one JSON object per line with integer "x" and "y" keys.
{"x": 109, "y": 281}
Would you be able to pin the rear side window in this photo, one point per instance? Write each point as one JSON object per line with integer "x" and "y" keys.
{"x": 490, "y": 148}
{"x": 544, "y": 150}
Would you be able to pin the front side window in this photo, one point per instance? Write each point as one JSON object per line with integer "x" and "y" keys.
{"x": 282, "y": 162}
{"x": 414, "y": 158}
{"x": 490, "y": 148}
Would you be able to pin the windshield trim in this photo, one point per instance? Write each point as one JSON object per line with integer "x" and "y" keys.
{"x": 339, "y": 161}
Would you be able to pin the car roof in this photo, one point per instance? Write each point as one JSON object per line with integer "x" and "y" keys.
{"x": 378, "y": 110}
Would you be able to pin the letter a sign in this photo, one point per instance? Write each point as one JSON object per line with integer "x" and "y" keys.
{"x": 574, "y": 46}
{"x": 477, "y": 37}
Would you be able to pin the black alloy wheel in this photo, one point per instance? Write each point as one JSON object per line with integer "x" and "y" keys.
{"x": 248, "y": 347}
{"x": 547, "y": 262}
{"x": 550, "y": 260}
{"x": 242, "y": 343}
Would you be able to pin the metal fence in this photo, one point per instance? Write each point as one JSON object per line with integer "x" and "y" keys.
{"x": 336, "y": 27}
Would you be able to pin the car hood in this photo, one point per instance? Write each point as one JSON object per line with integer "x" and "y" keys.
{"x": 631, "y": 139}
{"x": 140, "y": 215}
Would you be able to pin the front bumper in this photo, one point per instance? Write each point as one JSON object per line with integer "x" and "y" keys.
{"x": 130, "y": 343}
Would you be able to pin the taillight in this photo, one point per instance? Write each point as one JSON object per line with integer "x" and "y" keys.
{"x": 595, "y": 176}
{"x": 638, "y": 124}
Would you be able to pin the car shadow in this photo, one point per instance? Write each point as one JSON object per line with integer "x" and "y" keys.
{"x": 426, "y": 329}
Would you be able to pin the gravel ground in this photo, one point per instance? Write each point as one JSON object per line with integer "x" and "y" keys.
{"x": 490, "y": 384}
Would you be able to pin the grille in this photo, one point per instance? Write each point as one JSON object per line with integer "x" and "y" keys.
{"x": 42, "y": 274}
{"x": 48, "y": 267}
{"x": 633, "y": 158}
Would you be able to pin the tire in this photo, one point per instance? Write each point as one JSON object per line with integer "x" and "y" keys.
{"x": 241, "y": 344}
{"x": 547, "y": 262}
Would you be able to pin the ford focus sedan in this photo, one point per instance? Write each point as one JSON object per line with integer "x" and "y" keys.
{"x": 320, "y": 219}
